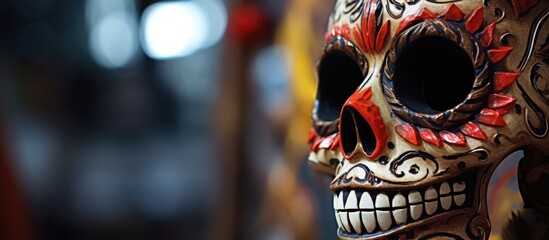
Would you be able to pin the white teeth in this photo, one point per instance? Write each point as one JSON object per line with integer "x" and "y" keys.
{"x": 371, "y": 211}
{"x": 430, "y": 194}
{"x": 382, "y": 201}
{"x": 444, "y": 188}
{"x": 352, "y": 203}
{"x": 446, "y": 202}
{"x": 366, "y": 201}
{"x": 459, "y": 186}
{"x": 338, "y": 220}
{"x": 345, "y": 221}
{"x": 416, "y": 211}
{"x": 355, "y": 221}
{"x": 459, "y": 199}
{"x": 399, "y": 201}
{"x": 369, "y": 221}
{"x": 414, "y": 197}
{"x": 400, "y": 215}
{"x": 339, "y": 204}
{"x": 384, "y": 219}
{"x": 431, "y": 207}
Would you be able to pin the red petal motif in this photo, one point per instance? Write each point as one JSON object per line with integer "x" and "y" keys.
{"x": 406, "y": 22}
{"x": 491, "y": 117}
{"x": 409, "y": 133}
{"x": 424, "y": 14}
{"x": 358, "y": 37}
{"x": 429, "y": 136}
{"x": 316, "y": 144}
{"x": 369, "y": 25}
{"x": 380, "y": 39}
{"x": 487, "y": 35}
{"x": 475, "y": 20}
{"x": 500, "y": 100}
{"x": 336, "y": 31}
{"x": 473, "y": 130}
{"x": 502, "y": 80}
{"x": 496, "y": 55}
{"x": 346, "y": 31}
{"x": 328, "y": 142}
{"x": 453, "y": 138}
{"x": 453, "y": 13}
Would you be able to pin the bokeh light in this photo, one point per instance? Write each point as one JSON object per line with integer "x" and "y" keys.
{"x": 112, "y": 41}
{"x": 180, "y": 28}
{"x": 113, "y": 36}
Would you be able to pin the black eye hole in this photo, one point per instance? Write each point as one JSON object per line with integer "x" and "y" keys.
{"x": 433, "y": 74}
{"x": 339, "y": 76}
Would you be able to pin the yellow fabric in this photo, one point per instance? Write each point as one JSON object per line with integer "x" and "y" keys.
{"x": 296, "y": 34}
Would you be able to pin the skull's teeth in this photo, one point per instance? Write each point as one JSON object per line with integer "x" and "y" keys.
{"x": 363, "y": 212}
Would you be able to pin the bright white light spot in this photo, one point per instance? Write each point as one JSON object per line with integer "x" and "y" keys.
{"x": 113, "y": 41}
{"x": 173, "y": 29}
{"x": 217, "y": 20}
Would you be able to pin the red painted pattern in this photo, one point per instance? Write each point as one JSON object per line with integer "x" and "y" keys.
{"x": 423, "y": 15}
{"x": 502, "y": 80}
{"x": 496, "y": 55}
{"x": 457, "y": 139}
{"x": 487, "y": 35}
{"x": 498, "y": 104}
{"x": 501, "y": 101}
{"x": 475, "y": 20}
{"x": 380, "y": 39}
{"x": 330, "y": 142}
{"x": 491, "y": 117}
{"x": 360, "y": 101}
{"x": 430, "y": 137}
{"x": 367, "y": 35}
{"x": 453, "y": 13}
{"x": 409, "y": 133}
{"x": 346, "y": 31}
{"x": 471, "y": 129}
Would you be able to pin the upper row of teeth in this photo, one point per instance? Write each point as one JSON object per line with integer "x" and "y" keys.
{"x": 356, "y": 212}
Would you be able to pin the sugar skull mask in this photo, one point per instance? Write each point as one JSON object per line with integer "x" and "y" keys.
{"x": 419, "y": 101}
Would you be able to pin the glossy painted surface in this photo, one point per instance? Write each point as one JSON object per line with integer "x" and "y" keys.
{"x": 440, "y": 146}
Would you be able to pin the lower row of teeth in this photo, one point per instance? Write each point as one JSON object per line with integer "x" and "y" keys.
{"x": 360, "y": 215}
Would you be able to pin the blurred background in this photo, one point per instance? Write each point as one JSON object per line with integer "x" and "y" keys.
{"x": 145, "y": 119}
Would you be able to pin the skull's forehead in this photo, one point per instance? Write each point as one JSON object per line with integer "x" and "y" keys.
{"x": 356, "y": 20}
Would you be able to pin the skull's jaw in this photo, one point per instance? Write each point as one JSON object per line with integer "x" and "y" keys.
{"x": 449, "y": 225}
{"x": 443, "y": 209}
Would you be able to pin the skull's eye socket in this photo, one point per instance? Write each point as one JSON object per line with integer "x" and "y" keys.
{"x": 433, "y": 74}
{"x": 436, "y": 75}
{"x": 339, "y": 76}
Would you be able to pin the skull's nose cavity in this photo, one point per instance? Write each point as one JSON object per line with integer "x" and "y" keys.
{"x": 348, "y": 133}
{"x": 356, "y": 131}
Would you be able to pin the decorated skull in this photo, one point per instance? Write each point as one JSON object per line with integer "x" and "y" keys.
{"x": 418, "y": 102}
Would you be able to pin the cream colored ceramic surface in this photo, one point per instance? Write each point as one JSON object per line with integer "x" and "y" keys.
{"x": 426, "y": 191}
